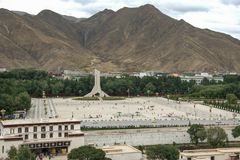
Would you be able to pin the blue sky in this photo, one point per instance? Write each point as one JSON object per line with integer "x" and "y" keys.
{"x": 218, "y": 15}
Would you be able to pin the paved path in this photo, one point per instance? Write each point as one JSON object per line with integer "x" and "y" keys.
{"x": 56, "y": 158}
{"x": 153, "y": 123}
{"x": 152, "y": 112}
{"x": 37, "y": 110}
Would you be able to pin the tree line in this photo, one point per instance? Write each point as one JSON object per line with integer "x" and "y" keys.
{"x": 17, "y": 86}
{"x": 215, "y": 136}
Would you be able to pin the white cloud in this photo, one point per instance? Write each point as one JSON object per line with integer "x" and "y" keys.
{"x": 218, "y": 15}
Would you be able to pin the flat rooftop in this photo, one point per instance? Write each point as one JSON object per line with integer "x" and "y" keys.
{"x": 15, "y": 122}
{"x": 209, "y": 152}
{"x": 119, "y": 149}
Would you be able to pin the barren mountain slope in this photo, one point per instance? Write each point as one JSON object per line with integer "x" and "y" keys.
{"x": 130, "y": 39}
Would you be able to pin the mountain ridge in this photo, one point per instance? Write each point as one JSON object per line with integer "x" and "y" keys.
{"x": 130, "y": 39}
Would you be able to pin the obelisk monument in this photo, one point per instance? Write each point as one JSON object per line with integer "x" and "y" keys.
{"x": 97, "y": 91}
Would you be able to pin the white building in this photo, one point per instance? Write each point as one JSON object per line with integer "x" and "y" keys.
{"x": 73, "y": 74}
{"x": 55, "y": 136}
{"x": 3, "y": 69}
{"x": 211, "y": 154}
{"x": 199, "y": 77}
{"x": 122, "y": 152}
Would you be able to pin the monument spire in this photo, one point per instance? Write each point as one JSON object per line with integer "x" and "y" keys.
{"x": 97, "y": 87}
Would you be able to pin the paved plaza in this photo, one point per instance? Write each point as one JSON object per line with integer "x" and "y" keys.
{"x": 139, "y": 111}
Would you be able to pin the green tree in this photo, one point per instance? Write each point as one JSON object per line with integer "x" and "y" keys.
{"x": 236, "y": 132}
{"x": 23, "y": 101}
{"x": 149, "y": 88}
{"x": 23, "y": 153}
{"x": 197, "y": 133}
{"x": 216, "y": 136}
{"x": 231, "y": 98}
{"x": 57, "y": 88}
{"x": 87, "y": 153}
{"x": 162, "y": 152}
{"x": 12, "y": 153}
{"x": 205, "y": 81}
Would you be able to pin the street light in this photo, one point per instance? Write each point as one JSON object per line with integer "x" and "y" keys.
{"x": 148, "y": 92}
{"x": 168, "y": 98}
{"x": 210, "y": 112}
{"x": 128, "y": 91}
{"x": 137, "y": 113}
{"x": 195, "y": 111}
{"x": 80, "y": 92}
{"x": 3, "y": 111}
{"x": 119, "y": 114}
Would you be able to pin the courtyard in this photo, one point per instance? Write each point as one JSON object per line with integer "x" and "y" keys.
{"x": 138, "y": 111}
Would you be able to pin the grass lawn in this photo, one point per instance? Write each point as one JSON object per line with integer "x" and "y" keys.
{"x": 97, "y": 98}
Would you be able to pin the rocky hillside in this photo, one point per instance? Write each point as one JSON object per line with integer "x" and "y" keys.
{"x": 131, "y": 39}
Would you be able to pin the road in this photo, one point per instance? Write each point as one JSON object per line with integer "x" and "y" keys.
{"x": 37, "y": 110}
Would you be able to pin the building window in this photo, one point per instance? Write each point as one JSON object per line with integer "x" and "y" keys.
{"x": 19, "y": 130}
{"x": 50, "y": 128}
{"x": 35, "y": 136}
{"x": 26, "y": 129}
{"x": 2, "y": 149}
{"x": 43, "y": 135}
{"x": 212, "y": 158}
{"x": 59, "y": 134}
{"x": 26, "y": 137}
{"x": 12, "y": 130}
{"x": 35, "y": 129}
{"x": 66, "y": 127}
{"x": 59, "y": 128}
{"x": 51, "y": 135}
{"x": 72, "y": 127}
{"x": 43, "y": 129}
{"x": 65, "y": 134}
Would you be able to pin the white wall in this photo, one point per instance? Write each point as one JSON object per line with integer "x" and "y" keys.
{"x": 137, "y": 137}
{"x": 7, "y": 145}
{"x": 125, "y": 156}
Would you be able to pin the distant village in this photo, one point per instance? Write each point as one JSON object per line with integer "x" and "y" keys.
{"x": 187, "y": 76}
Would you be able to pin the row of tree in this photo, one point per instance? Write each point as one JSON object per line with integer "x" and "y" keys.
{"x": 215, "y": 136}
{"x": 162, "y": 152}
{"x": 218, "y": 91}
{"x": 157, "y": 152}
{"x": 13, "y": 97}
{"x": 17, "y": 85}
{"x": 24, "y": 74}
{"x": 230, "y": 104}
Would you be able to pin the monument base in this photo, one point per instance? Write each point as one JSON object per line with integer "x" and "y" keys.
{"x": 97, "y": 91}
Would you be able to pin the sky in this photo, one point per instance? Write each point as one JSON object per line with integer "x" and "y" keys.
{"x": 217, "y": 15}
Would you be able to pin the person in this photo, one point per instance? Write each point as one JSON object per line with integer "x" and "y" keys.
{"x": 41, "y": 156}
{"x": 50, "y": 156}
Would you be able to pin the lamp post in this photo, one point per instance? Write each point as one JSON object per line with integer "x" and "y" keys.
{"x": 128, "y": 91}
{"x": 210, "y": 112}
{"x": 25, "y": 113}
{"x": 80, "y": 92}
{"x": 119, "y": 114}
{"x": 179, "y": 100}
{"x": 189, "y": 121}
{"x": 195, "y": 113}
{"x": 3, "y": 111}
{"x": 137, "y": 113}
{"x": 234, "y": 118}
{"x": 148, "y": 92}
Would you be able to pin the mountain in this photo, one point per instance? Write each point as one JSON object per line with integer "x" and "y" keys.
{"x": 130, "y": 39}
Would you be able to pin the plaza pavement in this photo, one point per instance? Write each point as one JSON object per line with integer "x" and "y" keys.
{"x": 138, "y": 112}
